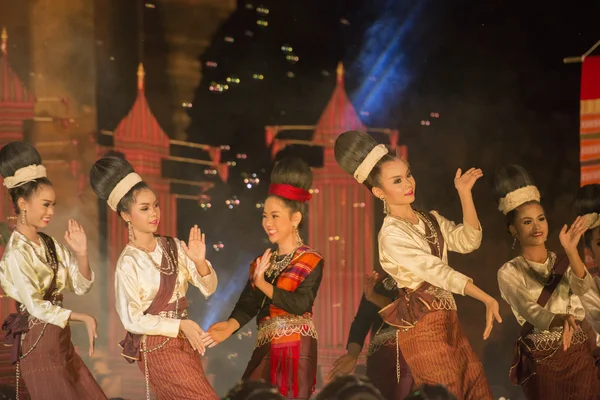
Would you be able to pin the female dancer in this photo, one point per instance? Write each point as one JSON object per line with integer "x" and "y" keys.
{"x": 553, "y": 359}
{"x": 34, "y": 271}
{"x": 413, "y": 249}
{"x": 386, "y": 366}
{"x": 281, "y": 290}
{"x": 587, "y": 204}
{"x": 151, "y": 281}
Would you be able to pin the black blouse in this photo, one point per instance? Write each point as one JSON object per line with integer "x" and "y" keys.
{"x": 253, "y": 302}
{"x": 367, "y": 317}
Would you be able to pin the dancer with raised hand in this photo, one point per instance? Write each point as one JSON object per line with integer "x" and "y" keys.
{"x": 151, "y": 281}
{"x": 587, "y": 205}
{"x": 281, "y": 290}
{"x": 386, "y": 366}
{"x": 34, "y": 271}
{"x": 553, "y": 359}
{"x": 413, "y": 248}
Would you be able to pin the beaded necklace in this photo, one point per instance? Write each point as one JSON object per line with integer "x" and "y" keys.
{"x": 432, "y": 238}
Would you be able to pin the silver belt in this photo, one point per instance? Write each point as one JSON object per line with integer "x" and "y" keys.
{"x": 172, "y": 314}
{"x": 285, "y": 325}
{"x": 552, "y": 339}
{"x": 384, "y": 337}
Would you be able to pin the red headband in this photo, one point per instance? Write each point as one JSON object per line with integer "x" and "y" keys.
{"x": 290, "y": 192}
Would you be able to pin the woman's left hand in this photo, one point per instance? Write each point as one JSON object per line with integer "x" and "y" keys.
{"x": 465, "y": 182}
{"x": 569, "y": 237}
{"x": 262, "y": 264}
{"x": 369, "y": 283}
{"x": 76, "y": 238}
{"x": 196, "y": 246}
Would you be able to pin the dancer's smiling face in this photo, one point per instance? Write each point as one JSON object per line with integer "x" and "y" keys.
{"x": 279, "y": 220}
{"x": 529, "y": 224}
{"x": 39, "y": 206}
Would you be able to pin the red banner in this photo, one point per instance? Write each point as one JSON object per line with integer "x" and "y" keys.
{"x": 589, "y": 130}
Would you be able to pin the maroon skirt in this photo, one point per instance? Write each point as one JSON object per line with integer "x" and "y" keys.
{"x": 259, "y": 368}
{"x": 8, "y": 372}
{"x": 383, "y": 361}
{"x": 562, "y": 375}
{"x": 53, "y": 370}
{"x": 437, "y": 352}
{"x": 175, "y": 370}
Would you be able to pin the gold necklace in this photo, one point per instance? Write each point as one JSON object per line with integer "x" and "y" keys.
{"x": 432, "y": 238}
{"x": 49, "y": 260}
{"x": 171, "y": 266}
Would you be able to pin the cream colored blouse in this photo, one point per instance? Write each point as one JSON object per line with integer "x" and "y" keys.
{"x": 521, "y": 283}
{"x": 136, "y": 284}
{"x": 25, "y": 278}
{"x": 406, "y": 256}
{"x": 591, "y": 301}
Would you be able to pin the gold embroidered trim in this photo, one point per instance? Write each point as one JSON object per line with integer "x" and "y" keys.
{"x": 286, "y": 325}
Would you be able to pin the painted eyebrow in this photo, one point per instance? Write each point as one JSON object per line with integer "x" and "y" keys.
{"x": 541, "y": 215}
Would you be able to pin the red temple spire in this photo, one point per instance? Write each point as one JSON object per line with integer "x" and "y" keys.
{"x": 339, "y": 115}
{"x": 141, "y": 129}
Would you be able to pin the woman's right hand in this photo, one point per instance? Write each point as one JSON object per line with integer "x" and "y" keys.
{"x": 194, "y": 334}
{"x": 492, "y": 309}
{"x": 343, "y": 366}
{"x": 90, "y": 324}
{"x": 220, "y": 331}
{"x": 567, "y": 322}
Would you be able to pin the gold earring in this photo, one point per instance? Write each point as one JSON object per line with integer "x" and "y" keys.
{"x": 385, "y": 208}
{"x": 130, "y": 231}
{"x": 298, "y": 238}
{"x": 24, "y": 217}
